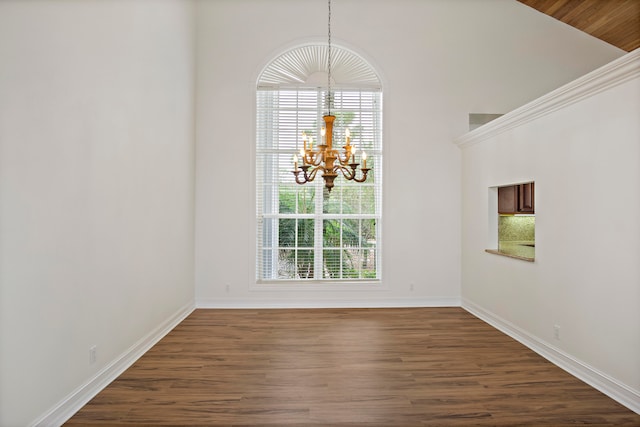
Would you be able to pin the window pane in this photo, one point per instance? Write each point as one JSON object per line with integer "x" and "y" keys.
{"x": 331, "y": 204}
{"x": 305, "y": 233}
{"x": 351, "y": 264}
{"x": 286, "y": 264}
{"x": 350, "y": 233}
{"x": 359, "y": 263}
{"x": 287, "y": 200}
{"x": 286, "y": 233}
{"x": 306, "y": 199}
{"x": 332, "y": 264}
{"x": 368, "y": 264}
{"x": 268, "y": 202}
{"x": 351, "y": 200}
{"x": 267, "y": 263}
{"x": 284, "y": 166}
{"x": 305, "y": 264}
{"x": 368, "y": 233}
{"x": 268, "y": 232}
{"x": 368, "y": 200}
{"x": 331, "y": 233}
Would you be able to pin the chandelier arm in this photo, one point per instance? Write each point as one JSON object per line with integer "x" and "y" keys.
{"x": 296, "y": 174}
{"x": 310, "y": 177}
{"x": 304, "y": 180}
{"x": 364, "y": 175}
{"x": 307, "y": 158}
{"x": 344, "y": 160}
{"x": 313, "y": 158}
{"x": 349, "y": 174}
{"x": 306, "y": 177}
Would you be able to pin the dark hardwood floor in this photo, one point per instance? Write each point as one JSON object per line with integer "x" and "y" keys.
{"x": 346, "y": 367}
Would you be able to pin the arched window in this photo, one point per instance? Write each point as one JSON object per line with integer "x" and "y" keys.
{"x": 305, "y": 233}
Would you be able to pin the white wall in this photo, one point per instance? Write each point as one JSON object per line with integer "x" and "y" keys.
{"x": 96, "y": 188}
{"x": 439, "y": 61}
{"x": 96, "y": 160}
{"x": 581, "y": 146}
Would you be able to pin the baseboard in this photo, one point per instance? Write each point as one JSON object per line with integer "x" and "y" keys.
{"x": 327, "y": 303}
{"x": 83, "y": 394}
{"x": 616, "y": 390}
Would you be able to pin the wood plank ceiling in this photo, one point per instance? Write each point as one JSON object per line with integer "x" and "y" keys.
{"x": 616, "y": 22}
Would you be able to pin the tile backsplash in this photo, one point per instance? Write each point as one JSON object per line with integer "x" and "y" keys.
{"x": 516, "y": 228}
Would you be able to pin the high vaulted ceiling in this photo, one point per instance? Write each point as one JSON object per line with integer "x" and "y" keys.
{"x": 616, "y": 22}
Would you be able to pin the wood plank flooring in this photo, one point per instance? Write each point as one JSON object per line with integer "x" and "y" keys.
{"x": 345, "y": 367}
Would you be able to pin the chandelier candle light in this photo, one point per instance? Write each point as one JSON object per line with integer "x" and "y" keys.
{"x": 324, "y": 157}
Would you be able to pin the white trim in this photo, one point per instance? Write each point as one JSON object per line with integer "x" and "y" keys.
{"x": 603, "y": 78}
{"x": 318, "y": 285}
{"x": 293, "y": 67}
{"x": 273, "y": 152}
{"x": 613, "y": 388}
{"x": 66, "y": 408}
{"x": 295, "y": 45}
{"x": 327, "y": 303}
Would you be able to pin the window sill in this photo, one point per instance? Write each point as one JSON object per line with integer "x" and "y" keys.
{"x": 318, "y": 285}
{"x": 509, "y": 255}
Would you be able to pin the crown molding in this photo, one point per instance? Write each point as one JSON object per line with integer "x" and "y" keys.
{"x": 608, "y": 76}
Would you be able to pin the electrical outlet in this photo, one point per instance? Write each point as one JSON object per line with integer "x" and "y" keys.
{"x": 411, "y": 287}
{"x": 226, "y": 288}
{"x": 92, "y": 354}
{"x": 556, "y": 332}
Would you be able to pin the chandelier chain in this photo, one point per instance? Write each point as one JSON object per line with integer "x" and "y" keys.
{"x": 324, "y": 158}
{"x": 329, "y": 100}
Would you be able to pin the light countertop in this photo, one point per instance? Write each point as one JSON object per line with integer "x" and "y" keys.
{"x": 524, "y": 250}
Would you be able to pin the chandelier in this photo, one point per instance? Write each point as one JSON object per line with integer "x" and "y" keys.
{"x": 324, "y": 158}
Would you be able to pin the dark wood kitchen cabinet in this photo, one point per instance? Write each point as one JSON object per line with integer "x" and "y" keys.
{"x": 525, "y": 198}
{"x": 514, "y": 199}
